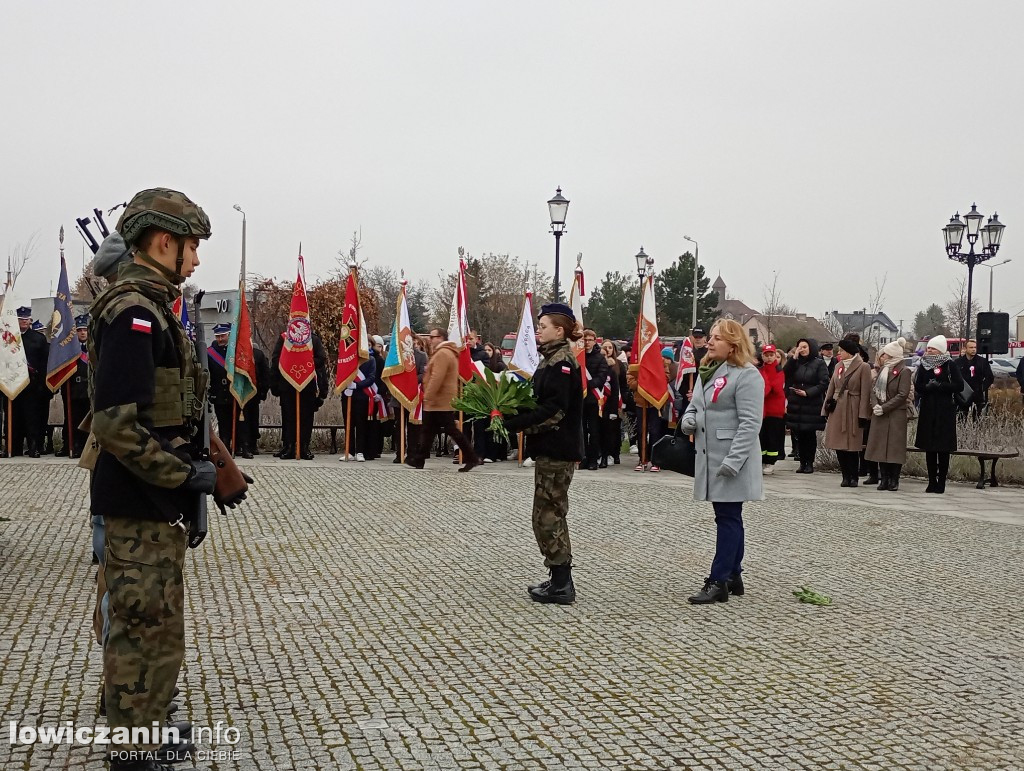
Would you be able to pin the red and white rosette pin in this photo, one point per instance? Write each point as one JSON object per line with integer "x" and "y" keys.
{"x": 719, "y": 385}
{"x": 938, "y": 370}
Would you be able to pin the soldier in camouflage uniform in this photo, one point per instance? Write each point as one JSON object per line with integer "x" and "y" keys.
{"x": 554, "y": 439}
{"x": 148, "y": 397}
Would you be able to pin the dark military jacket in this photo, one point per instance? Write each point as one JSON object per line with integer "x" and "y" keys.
{"x": 220, "y": 388}
{"x": 148, "y": 399}
{"x": 554, "y": 429}
{"x": 262, "y": 374}
{"x": 79, "y": 382}
{"x": 37, "y": 351}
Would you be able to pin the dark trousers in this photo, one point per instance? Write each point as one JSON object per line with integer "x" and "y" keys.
{"x": 848, "y": 462}
{"x": 657, "y": 427}
{"x": 773, "y": 440}
{"x": 359, "y": 431}
{"x": 306, "y": 412}
{"x": 938, "y": 466}
{"x": 248, "y": 430}
{"x": 729, "y": 543}
{"x": 79, "y": 409}
{"x": 412, "y": 433}
{"x": 441, "y": 421}
{"x": 225, "y": 419}
{"x": 867, "y": 467}
{"x": 592, "y": 432}
{"x": 611, "y": 437}
{"x": 807, "y": 445}
{"x": 29, "y": 410}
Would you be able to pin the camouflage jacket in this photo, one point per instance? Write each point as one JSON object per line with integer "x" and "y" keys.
{"x": 554, "y": 429}
{"x": 148, "y": 396}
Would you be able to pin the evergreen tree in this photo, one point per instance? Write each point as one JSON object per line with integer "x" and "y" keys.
{"x": 613, "y": 305}
{"x": 674, "y": 288}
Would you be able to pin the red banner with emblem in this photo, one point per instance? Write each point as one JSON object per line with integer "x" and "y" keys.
{"x": 353, "y": 346}
{"x": 296, "y": 363}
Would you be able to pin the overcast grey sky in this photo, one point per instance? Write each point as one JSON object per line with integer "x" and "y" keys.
{"x": 829, "y": 142}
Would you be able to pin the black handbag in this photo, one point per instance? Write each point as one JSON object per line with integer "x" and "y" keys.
{"x": 675, "y": 452}
{"x": 963, "y": 398}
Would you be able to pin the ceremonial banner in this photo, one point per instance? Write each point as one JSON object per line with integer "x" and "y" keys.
{"x": 579, "y": 347}
{"x": 240, "y": 363}
{"x": 526, "y": 357}
{"x": 400, "y": 364}
{"x": 180, "y": 309}
{"x": 62, "y": 361}
{"x": 296, "y": 364}
{"x": 13, "y": 364}
{"x": 458, "y": 326}
{"x": 353, "y": 345}
{"x": 687, "y": 364}
{"x": 652, "y": 383}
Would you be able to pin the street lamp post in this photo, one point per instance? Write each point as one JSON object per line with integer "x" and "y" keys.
{"x": 991, "y": 272}
{"x": 558, "y": 207}
{"x": 696, "y": 253}
{"x": 991, "y": 237}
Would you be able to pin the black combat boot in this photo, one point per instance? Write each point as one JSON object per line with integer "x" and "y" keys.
{"x": 736, "y": 585}
{"x": 560, "y": 590}
{"x": 713, "y": 591}
{"x": 33, "y": 450}
{"x": 540, "y": 584}
{"x": 894, "y": 476}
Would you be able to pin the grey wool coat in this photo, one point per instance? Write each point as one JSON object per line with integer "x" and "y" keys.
{"x": 843, "y": 431}
{"x": 726, "y": 431}
{"x": 887, "y": 440}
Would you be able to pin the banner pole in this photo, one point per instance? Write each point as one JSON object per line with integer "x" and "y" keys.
{"x": 298, "y": 425}
{"x": 234, "y": 421}
{"x": 520, "y": 449}
{"x": 68, "y": 438}
{"x": 401, "y": 432}
{"x": 348, "y": 425}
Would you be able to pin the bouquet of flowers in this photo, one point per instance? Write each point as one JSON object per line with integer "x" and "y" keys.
{"x": 494, "y": 397}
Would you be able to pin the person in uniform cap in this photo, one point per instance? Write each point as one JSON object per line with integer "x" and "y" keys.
{"x": 554, "y": 439}
{"x": 30, "y": 407}
{"x": 220, "y": 393}
{"x": 149, "y": 397}
{"x": 826, "y": 352}
{"x": 78, "y": 405}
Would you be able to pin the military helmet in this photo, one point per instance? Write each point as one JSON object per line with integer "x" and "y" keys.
{"x": 165, "y": 209}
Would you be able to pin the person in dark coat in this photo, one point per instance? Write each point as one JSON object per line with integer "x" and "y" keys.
{"x": 937, "y": 381}
{"x": 78, "y": 388}
{"x": 247, "y": 425}
{"x": 611, "y": 421}
{"x": 597, "y": 371}
{"x": 977, "y": 373}
{"x": 30, "y": 408}
{"x": 807, "y": 379}
{"x": 311, "y": 398}
{"x": 358, "y": 393}
{"x": 220, "y": 388}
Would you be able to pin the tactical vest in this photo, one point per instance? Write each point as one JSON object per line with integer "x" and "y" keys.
{"x": 180, "y": 391}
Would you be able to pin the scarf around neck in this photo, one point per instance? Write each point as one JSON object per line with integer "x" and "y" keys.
{"x": 882, "y": 381}
{"x": 707, "y": 371}
{"x": 931, "y": 362}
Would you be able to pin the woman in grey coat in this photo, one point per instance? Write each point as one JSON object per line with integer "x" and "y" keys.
{"x": 887, "y": 440}
{"x": 725, "y": 416}
{"x": 848, "y": 410}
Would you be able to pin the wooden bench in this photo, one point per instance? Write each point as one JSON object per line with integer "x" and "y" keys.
{"x": 982, "y": 456}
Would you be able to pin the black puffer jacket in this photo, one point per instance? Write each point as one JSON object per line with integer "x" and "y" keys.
{"x": 809, "y": 374}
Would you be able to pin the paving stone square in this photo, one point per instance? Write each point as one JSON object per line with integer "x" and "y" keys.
{"x": 369, "y": 616}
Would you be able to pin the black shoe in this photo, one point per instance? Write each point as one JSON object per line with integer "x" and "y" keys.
{"x": 736, "y": 585}
{"x": 713, "y": 591}
{"x": 894, "y": 483}
{"x": 306, "y": 455}
{"x": 871, "y": 480}
{"x": 541, "y": 584}
{"x": 560, "y": 590}
{"x": 178, "y": 752}
{"x": 615, "y": 460}
{"x": 33, "y": 453}
{"x": 171, "y": 709}
{"x": 61, "y": 453}
{"x": 397, "y": 460}
{"x": 931, "y": 486}
{"x": 591, "y": 467}
{"x": 286, "y": 452}
{"x": 245, "y": 454}
{"x": 845, "y": 482}
{"x": 940, "y": 487}
{"x": 854, "y": 482}
{"x": 603, "y": 463}
{"x": 418, "y": 464}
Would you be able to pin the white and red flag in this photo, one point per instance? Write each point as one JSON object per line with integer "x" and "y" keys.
{"x": 652, "y": 382}
{"x": 400, "y": 365}
{"x": 579, "y": 348}
{"x": 458, "y": 326}
{"x": 296, "y": 363}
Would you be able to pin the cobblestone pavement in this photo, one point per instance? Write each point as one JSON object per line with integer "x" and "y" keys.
{"x": 372, "y": 616}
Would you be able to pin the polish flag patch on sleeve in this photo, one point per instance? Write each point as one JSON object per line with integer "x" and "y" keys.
{"x": 141, "y": 325}
{"x": 566, "y": 369}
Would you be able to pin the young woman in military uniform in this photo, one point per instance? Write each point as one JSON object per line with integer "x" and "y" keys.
{"x": 554, "y": 439}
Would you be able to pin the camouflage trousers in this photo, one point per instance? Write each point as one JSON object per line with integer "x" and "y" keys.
{"x": 551, "y": 479}
{"x": 146, "y": 643}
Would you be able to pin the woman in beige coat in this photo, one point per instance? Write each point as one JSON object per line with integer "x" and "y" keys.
{"x": 847, "y": 409}
{"x": 887, "y": 440}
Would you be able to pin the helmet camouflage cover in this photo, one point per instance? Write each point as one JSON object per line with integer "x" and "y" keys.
{"x": 165, "y": 209}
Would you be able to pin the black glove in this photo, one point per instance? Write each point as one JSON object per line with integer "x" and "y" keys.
{"x": 202, "y": 478}
{"x": 863, "y": 422}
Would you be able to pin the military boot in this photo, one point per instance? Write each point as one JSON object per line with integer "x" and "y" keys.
{"x": 883, "y": 473}
{"x": 713, "y": 591}
{"x": 560, "y": 590}
{"x": 894, "y": 477}
{"x": 540, "y": 584}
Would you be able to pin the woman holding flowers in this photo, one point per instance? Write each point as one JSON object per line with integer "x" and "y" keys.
{"x": 554, "y": 439}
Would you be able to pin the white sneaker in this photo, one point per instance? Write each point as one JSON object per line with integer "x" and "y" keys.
{"x": 633, "y": 450}
{"x": 488, "y": 460}
{"x": 360, "y": 458}
{"x": 767, "y": 470}
{"x": 528, "y": 463}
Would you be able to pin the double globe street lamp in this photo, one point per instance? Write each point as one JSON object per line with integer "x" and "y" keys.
{"x": 991, "y": 236}
{"x": 558, "y": 208}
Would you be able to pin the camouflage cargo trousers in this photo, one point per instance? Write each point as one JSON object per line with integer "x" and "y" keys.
{"x": 551, "y": 479}
{"x": 146, "y": 643}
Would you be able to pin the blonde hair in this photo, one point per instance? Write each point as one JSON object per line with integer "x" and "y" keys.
{"x": 736, "y": 336}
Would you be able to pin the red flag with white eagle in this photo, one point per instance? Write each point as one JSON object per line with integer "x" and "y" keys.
{"x": 296, "y": 363}
{"x": 458, "y": 325}
{"x": 578, "y": 347}
{"x": 687, "y": 364}
{"x": 652, "y": 382}
{"x": 353, "y": 345}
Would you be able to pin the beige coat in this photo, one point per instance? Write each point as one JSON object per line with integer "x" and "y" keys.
{"x": 887, "y": 441}
{"x": 843, "y": 431}
{"x": 441, "y": 380}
